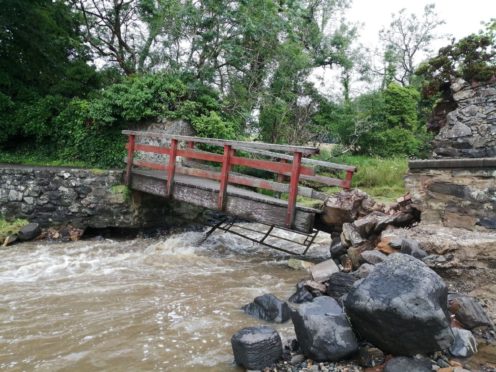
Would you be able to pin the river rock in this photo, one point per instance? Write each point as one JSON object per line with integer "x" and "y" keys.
{"x": 401, "y": 296}
{"x": 465, "y": 344}
{"x": 268, "y": 307}
{"x": 411, "y": 247}
{"x": 299, "y": 264}
{"x": 347, "y": 206}
{"x": 350, "y": 235}
{"x": 468, "y": 311}
{"x": 323, "y": 331}
{"x": 373, "y": 257}
{"x": 337, "y": 248}
{"x": 370, "y": 356}
{"x": 9, "y": 239}
{"x": 323, "y": 270}
{"x": 301, "y": 295}
{"x": 405, "y": 364}
{"x": 256, "y": 347}
{"x": 339, "y": 284}
{"x": 29, "y": 232}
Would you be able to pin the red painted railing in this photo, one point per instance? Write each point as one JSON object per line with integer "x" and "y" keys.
{"x": 291, "y": 162}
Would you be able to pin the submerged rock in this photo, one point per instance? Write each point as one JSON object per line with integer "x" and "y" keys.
{"x": 401, "y": 307}
{"x": 256, "y": 347}
{"x": 323, "y": 331}
{"x": 268, "y": 307}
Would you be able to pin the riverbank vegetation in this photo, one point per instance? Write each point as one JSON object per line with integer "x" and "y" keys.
{"x": 74, "y": 74}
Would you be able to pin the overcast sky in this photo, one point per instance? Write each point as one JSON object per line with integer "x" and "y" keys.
{"x": 462, "y": 17}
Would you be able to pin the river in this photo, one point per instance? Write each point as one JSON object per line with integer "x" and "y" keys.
{"x": 168, "y": 304}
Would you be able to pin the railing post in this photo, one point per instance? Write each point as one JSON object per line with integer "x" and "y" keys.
{"x": 130, "y": 155}
{"x": 171, "y": 167}
{"x": 224, "y": 176}
{"x": 347, "y": 180}
{"x": 293, "y": 189}
{"x": 190, "y": 145}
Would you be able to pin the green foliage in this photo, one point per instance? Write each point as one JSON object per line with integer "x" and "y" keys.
{"x": 472, "y": 58}
{"x": 213, "y": 126}
{"x": 10, "y": 227}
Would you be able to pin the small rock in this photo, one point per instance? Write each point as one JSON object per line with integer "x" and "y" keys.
{"x": 468, "y": 311}
{"x": 29, "y": 232}
{"x": 465, "y": 344}
{"x": 350, "y": 235}
{"x": 346, "y": 263}
{"x": 313, "y": 286}
{"x": 370, "y": 356}
{"x": 373, "y": 257}
{"x": 256, "y": 347}
{"x": 323, "y": 270}
{"x": 299, "y": 264}
{"x": 268, "y": 307}
{"x": 412, "y": 247}
{"x": 301, "y": 295}
{"x": 323, "y": 330}
{"x": 297, "y": 359}
{"x": 385, "y": 247}
{"x": 339, "y": 284}
{"x": 405, "y": 364}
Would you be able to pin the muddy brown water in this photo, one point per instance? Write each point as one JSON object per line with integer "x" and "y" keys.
{"x": 166, "y": 304}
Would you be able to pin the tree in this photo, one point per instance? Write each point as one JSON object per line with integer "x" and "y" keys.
{"x": 408, "y": 39}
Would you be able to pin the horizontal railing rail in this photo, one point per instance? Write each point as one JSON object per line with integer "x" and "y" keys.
{"x": 289, "y": 168}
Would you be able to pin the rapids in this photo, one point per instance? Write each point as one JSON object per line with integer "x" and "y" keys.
{"x": 168, "y": 304}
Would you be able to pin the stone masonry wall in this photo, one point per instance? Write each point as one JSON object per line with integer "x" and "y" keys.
{"x": 81, "y": 197}
{"x": 470, "y": 129}
{"x": 455, "y": 197}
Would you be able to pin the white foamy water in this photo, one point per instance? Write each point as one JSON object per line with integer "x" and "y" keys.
{"x": 144, "y": 304}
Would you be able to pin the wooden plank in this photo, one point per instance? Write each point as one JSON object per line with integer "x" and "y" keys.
{"x": 199, "y": 155}
{"x": 293, "y": 189}
{"x": 130, "y": 154}
{"x": 270, "y": 166}
{"x": 320, "y": 163}
{"x": 224, "y": 175}
{"x": 237, "y": 205}
{"x": 171, "y": 168}
{"x": 306, "y": 150}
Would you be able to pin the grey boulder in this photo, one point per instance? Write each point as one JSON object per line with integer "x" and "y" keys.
{"x": 323, "y": 331}
{"x": 401, "y": 307}
{"x": 256, "y": 347}
{"x": 268, "y": 307}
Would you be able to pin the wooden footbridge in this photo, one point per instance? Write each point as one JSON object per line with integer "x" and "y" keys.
{"x": 233, "y": 176}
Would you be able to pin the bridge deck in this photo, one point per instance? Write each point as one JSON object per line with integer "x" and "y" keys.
{"x": 241, "y": 202}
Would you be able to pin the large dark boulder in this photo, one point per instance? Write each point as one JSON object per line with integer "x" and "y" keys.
{"x": 401, "y": 307}
{"x": 256, "y": 347}
{"x": 323, "y": 331}
{"x": 268, "y": 307}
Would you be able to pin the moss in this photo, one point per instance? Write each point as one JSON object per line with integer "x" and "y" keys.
{"x": 121, "y": 190}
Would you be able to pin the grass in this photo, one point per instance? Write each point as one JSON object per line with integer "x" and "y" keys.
{"x": 380, "y": 178}
{"x": 10, "y": 227}
{"x": 28, "y": 158}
